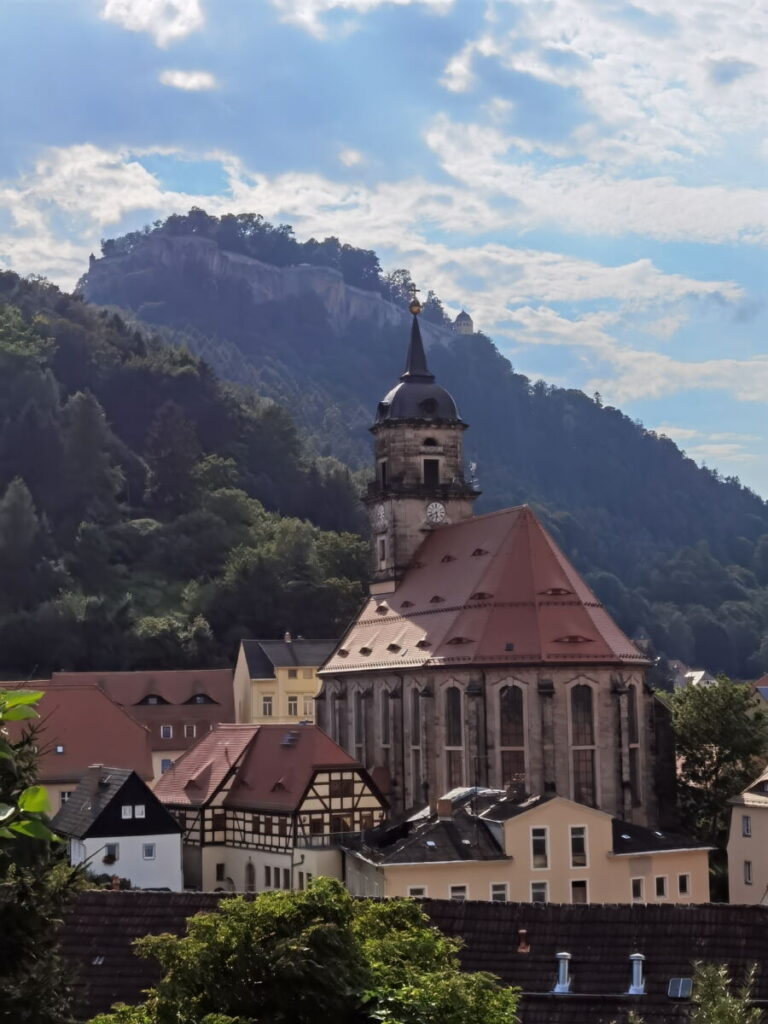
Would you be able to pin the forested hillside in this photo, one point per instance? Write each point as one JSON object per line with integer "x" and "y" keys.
{"x": 674, "y": 549}
{"x": 150, "y": 515}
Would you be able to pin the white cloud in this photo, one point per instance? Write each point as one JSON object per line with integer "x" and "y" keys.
{"x": 165, "y": 20}
{"x": 190, "y": 81}
{"x": 720, "y": 453}
{"x": 350, "y": 157}
{"x": 676, "y": 433}
{"x": 308, "y": 14}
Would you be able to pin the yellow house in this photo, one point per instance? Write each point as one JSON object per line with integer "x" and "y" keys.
{"x": 544, "y": 850}
{"x": 276, "y": 680}
{"x": 748, "y": 843}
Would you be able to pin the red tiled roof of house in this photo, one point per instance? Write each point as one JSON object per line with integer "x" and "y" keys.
{"x": 492, "y": 589}
{"x": 90, "y": 728}
{"x": 273, "y": 765}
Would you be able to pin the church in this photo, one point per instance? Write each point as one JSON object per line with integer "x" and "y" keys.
{"x": 480, "y": 658}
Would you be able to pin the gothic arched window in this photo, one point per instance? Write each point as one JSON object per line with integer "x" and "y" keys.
{"x": 250, "y": 877}
{"x": 512, "y": 735}
{"x": 583, "y": 750}
{"x": 417, "y": 782}
{"x": 359, "y": 727}
{"x": 454, "y": 741}
{"x": 633, "y": 738}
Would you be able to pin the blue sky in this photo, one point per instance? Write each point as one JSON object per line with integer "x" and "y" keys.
{"x": 589, "y": 178}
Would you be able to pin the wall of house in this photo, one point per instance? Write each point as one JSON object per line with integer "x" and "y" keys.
{"x": 363, "y": 878}
{"x": 298, "y": 864}
{"x": 163, "y": 872}
{"x": 241, "y": 682}
{"x": 304, "y": 686}
{"x": 158, "y": 756}
{"x": 750, "y": 849}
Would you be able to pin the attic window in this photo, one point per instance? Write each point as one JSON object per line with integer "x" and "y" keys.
{"x": 509, "y": 647}
{"x": 448, "y": 558}
{"x": 366, "y": 651}
{"x": 556, "y": 592}
{"x": 423, "y": 643}
{"x": 289, "y": 739}
{"x": 201, "y": 698}
{"x": 343, "y": 652}
{"x": 431, "y": 843}
{"x": 479, "y": 551}
{"x": 381, "y": 609}
{"x": 680, "y": 988}
{"x": 429, "y": 442}
{"x": 459, "y": 640}
{"x": 573, "y": 638}
{"x": 394, "y": 648}
{"x": 436, "y": 599}
{"x": 59, "y": 748}
{"x": 407, "y": 604}
{"x": 481, "y": 595}
{"x": 152, "y": 698}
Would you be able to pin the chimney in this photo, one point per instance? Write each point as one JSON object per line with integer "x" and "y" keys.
{"x": 287, "y": 638}
{"x": 444, "y": 809}
{"x": 563, "y": 983}
{"x": 637, "y": 985}
{"x": 524, "y": 945}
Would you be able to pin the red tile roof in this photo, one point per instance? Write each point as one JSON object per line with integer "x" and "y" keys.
{"x": 492, "y": 589}
{"x": 91, "y": 729}
{"x": 269, "y": 773}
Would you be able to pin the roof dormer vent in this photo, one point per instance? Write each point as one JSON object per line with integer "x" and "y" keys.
{"x": 436, "y": 599}
{"x": 479, "y": 551}
{"x": 572, "y": 638}
{"x": 382, "y": 609}
{"x": 423, "y": 643}
{"x": 481, "y": 595}
{"x": 393, "y": 648}
{"x": 406, "y": 604}
{"x": 343, "y": 652}
{"x": 459, "y": 640}
{"x": 637, "y": 984}
{"x": 563, "y": 983}
{"x": 448, "y": 558}
{"x": 366, "y": 651}
{"x": 556, "y": 592}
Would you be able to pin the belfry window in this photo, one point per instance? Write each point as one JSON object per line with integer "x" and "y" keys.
{"x": 383, "y": 473}
{"x": 633, "y": 737}
{"x": 431, "y": 472}
{"x": 454, "y": 740}
{"x": 512, "y": 736}
{"x": 583, "y": 750}
{"x": 382, "y": 546}
{"x": 417, "y": 783}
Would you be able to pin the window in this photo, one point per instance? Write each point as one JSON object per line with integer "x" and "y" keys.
{"x": 190, "y": 731}
{"x": 633, "y": 738}
{"x": 341, "y": 787}
{"x": 578, "y": 892}
{"x": 250, "y": 877}
{"x": 266, "y": 706}
{"x": 431, "y": 472}
{"x": 301, "y": 880}
{"x": 111, "y": 851}
{"x": 293, "y": 706}
{"x": 267, "y": 876}
{"x": 382, "y": 550}
{"x": 153, "y": 700}
{"x": 578, "y": 846}
{"x": 166, "y": 732}
{"x": 538, "y": 892}
{"x": 293, "y": 673}
{"x": 306, "y": 673}
{"x": 747, "y": 872}
{"x": 359, "y": 727}
{"x": 201, "y": 698}
{"x": 498, "y": 892}
{"x": 539, "y": 858}
{"x": 148, "y": 851}
{"x": 308, "y": 707}
{"x": 219, "y": 822}
{"x": 309, "y": 878}
{"x": 512, "y": 736}
{"x": 684, "y": 885}
{"x": 458, "y": 893}
{"x": 746, "y": 826}
{"x": 661, "y": 887}
{"x": 282, "y": 826}
{"x": 220, "y": 869}
{"x": 454, "y": 740}
{"x": 638, "y": 889}
{"x": 126, "y": 811}
{"x": 59, "y": 748}
{"x": 417, "y": 891}
{"x": 417, "y": 782}
{"x": 383, "y": 473}
{"x": 139, "y": 811}
{"x": 286, "y": 878}
{"x": 384, "y": 718}
{"x": 583, "y": 745}
{"x": 165, "y": 764}
{"x": 64, "y": 795}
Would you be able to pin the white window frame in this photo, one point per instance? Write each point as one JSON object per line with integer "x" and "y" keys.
{"x": 126, "y": 811}
{"x": 543, "y": 885}
{"x": 746, "y": 826}
{"x": 166, "y": 732}
{"x": 585, "y": 865}
{"x": 148, "y": 846}
{"x": 267, "y": 701}
{"x": 65, "y": 795}
{"x": 168, "y": 762}
{"x": 417, "y": 892}
{"x": 293, "y": 673}
{"x": 545, "y": 830}
{"x": 748, "y": 872}
{"x": 457, "y": 898}
{"x": 498, "y": 885}
{"x": 687, "y": 877}
{"x": 571, "y": 884}
{"x": 665, "y": 880}
{"x": 190, "y": 730}
{"x": 641, "y": 897}
{"x": 293, "y": 700}
{"x": 112, "y": 846}
{"x": 139, "y": 810}
{"x": 308, "y": 707}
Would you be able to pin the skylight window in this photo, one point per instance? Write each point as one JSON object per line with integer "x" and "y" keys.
{"x": 431, "y": 843}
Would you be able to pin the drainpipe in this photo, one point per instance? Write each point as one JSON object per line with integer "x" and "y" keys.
{"x": 563, "y": 983}
{"x": 637, "y": 986}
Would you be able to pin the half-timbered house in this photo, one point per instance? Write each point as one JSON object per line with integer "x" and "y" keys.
{"x": 267, "y": 806}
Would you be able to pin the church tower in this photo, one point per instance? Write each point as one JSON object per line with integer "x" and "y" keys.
{"x": 419, "y": 466}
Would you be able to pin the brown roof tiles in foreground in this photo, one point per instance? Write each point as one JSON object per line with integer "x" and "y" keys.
{"x": 507, "y": 591}
{"x": 99, "y": 928}
{"x": 272, "y": 766}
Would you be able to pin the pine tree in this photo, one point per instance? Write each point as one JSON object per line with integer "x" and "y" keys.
{"x": 91, "y": 478}
{"x": 172, "y": 451}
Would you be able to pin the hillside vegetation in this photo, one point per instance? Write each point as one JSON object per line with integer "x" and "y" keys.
{"x": 676, "y": 551}
{"x": 150, "y": 515}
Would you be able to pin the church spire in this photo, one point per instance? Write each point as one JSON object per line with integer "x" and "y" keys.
{"x": 416, "y": 362}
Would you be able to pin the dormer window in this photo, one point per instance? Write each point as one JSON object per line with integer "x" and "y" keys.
{"x": 481, "y": 595}
{"x": 343, "y": 652}
{"x": 459, "y": 640}
{"x": 366, "y": 651}
{"x": 573, "y": 638}
{"x": 479, "y": 551}
{"x": 407, "y": 604}
{"x": 423, "y": 643}
{"x": 381, "y": 609}
{"x": 201, "y": 698}
{"x": 428, "y": 406}
{"x": 436, "y": 599}
{"x": 556, "y": 592}
{"x": 153, "y": 698}
{"x": 394, "y": 648}
{"x": 448, "y": 558}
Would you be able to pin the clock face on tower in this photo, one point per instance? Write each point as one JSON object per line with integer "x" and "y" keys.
{"x": 435, "y": 512}
{"x": 380, "y": 517}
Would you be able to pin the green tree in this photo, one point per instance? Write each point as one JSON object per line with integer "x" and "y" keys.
{"x": 26, "y": 573}
{"x": 721, "y": 735}
{"x": 91, "y": 479}
{"x": 715, "y": 1003}
{"x": 172, "y": 451}
{"x": 311, "y": 957}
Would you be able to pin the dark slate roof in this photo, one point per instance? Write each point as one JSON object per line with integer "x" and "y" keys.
{"x": 99, "y": 928}
{"x": 417, "y": 396}
{"x": 95, "y": 791}
{"x": 262, "y": 656}
{"x": 424, "y": 841}
{"x": 629, "y": 838}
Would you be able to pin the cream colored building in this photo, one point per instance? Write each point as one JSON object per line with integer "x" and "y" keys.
{"x": 276, "y": 680}
{"x": 748, "y": 844}
{"x": 543, "y": 850}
